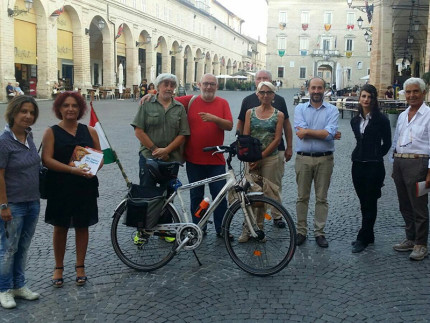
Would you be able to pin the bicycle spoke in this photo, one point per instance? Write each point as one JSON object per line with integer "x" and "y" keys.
{"x": 261, "y": 256}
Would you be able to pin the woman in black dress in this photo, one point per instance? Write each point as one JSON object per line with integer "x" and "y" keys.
{"x": 72, "y": 192}
{"x": 373, "y": 134}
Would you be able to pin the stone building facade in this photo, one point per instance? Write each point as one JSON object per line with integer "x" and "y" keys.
{"x": 316, "y": 38}
{"x": 87, "y": 43}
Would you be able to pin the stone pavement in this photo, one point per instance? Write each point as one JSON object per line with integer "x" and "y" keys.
{"x": 319, "y": 285}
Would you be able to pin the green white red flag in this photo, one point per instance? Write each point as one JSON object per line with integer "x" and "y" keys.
{"x": 108, "y": 154}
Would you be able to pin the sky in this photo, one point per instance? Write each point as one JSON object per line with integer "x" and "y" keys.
{"x": 254, "y": 12}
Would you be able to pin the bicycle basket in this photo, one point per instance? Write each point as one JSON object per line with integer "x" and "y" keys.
{"x": 144, "y": 205}
{"x": 248, "y": 148}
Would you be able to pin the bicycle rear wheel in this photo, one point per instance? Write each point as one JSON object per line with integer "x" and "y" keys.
{"x": 138, "y": 250}
{"x": 274, "y": 249}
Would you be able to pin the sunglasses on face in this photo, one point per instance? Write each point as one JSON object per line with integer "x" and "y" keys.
{"x": 263, "y": 93}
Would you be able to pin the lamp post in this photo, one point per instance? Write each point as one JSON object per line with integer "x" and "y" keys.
{"x": 147, "y": 41}
{"x": 16, "y": 11}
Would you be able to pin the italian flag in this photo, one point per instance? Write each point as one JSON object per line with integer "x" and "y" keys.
{"x": 108, "y": 154}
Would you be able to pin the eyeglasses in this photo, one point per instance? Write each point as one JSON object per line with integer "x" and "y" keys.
{"x": 263, "y": 93}
{"x": 207, "y": 84}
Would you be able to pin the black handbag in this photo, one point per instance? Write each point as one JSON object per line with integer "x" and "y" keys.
{"x": 144, "y": 206}
{"x": 248, "y": 148}
{"x": 43, "y": 173}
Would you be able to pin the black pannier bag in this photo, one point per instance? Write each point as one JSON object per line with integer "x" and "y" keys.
{"x": 248, "y": 148}
{"x": 144, "y": 205}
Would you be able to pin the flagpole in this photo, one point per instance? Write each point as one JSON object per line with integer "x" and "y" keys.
{"x": 118, "y": 162}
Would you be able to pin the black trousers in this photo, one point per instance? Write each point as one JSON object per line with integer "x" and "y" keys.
{"x": 368, "y": 178}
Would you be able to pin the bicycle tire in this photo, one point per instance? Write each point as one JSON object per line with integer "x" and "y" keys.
{"x": 259, "y": 257}
{"x": 153, "y": 254}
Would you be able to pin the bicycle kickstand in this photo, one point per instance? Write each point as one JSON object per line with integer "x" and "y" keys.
{"x": 198, "y": 260}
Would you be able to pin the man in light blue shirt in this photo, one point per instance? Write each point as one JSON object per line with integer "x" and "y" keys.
{"x": 315, "y": 124}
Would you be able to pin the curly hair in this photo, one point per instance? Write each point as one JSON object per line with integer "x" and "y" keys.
{"x": 14, "y": 106}
{"x": 83, "y": 108}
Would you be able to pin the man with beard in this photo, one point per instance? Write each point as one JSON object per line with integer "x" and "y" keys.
{"x": 315, "y": 123}
{"x": 208, "y": 116}
{"x": 161, "y": 126}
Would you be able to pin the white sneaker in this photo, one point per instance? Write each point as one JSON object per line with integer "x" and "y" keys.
{"x": 25, "y": 293}
{"x": 6, "y": 299}
{"x": 419, "y": 253}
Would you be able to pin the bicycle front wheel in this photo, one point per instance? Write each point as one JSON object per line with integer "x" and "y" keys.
{"x": 139, "y": 250}
{"x": 274, "y": 248}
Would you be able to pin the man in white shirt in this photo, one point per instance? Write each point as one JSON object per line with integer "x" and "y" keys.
{"x": 411, "y": 147}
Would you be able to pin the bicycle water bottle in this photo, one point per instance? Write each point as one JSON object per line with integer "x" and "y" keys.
{"x": 204, "y": 204}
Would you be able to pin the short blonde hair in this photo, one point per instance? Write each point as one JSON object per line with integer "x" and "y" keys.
{"x": 268, "y": 84}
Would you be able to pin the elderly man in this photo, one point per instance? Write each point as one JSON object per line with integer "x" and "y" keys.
{"x": 161, "y": 126}
{"x": 252, "y": 101}
{"x": 208, "y": 116}
{"x": 411, "y": 147}
{"x": 316, "y": 125}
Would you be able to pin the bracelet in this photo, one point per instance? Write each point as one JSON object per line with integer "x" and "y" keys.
{"x": 153, "y": 147}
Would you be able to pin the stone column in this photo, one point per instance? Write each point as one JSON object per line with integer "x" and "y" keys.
{"x": 179, "y": 58}
{"x": 132, "y": 54}
{"x": 47, "y": 65}
{"x": 381, "y": 60}
{"x": 427, "y": 59}
{"x": 7, "y": 62}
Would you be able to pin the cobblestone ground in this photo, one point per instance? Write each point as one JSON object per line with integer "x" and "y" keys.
{"x": 319, "y": 285}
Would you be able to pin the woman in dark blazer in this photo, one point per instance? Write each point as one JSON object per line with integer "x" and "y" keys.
{"x": 373, "y": 134}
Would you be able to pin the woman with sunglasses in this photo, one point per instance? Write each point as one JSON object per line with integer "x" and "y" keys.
{"x": 265, "y": 123}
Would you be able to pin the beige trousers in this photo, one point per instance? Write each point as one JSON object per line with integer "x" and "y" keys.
{"x": 269, "y": 168}
{"x": 317, "y": 170}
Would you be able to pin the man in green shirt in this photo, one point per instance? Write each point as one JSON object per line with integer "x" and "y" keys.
{"x": 161, "y": 126}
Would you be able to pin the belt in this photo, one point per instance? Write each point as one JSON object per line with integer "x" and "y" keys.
{"x": 410, "y": 156}
{"x": 325, "y": 153}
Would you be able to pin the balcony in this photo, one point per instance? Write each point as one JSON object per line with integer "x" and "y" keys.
{"x": 325, "y": 53}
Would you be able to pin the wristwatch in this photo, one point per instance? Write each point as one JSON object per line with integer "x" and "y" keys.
{"x": 4, "y": 206}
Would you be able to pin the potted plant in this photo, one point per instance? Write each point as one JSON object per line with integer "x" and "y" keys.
{"x": 393, "y": 115}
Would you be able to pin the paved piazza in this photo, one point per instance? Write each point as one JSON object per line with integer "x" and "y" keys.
{"x": 319, "y": 285}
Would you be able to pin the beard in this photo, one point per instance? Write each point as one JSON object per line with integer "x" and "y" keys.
{"x": 317, "y": 97}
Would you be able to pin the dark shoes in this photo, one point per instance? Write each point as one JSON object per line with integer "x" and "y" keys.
{"x": 321, "y": 241}
{"x": 220, "y": 235}
{"x": 279, "y": 223}
{"x": 300, "y": 239}
{"x": 358, "y": 246}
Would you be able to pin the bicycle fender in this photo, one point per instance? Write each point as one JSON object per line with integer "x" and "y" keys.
{"x": 118, "y": 207}
{"x": 254, "y": 194}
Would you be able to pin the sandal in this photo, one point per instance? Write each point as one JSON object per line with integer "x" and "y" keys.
{"x": 58, "y": 282}
{"x": 81, "y": 280}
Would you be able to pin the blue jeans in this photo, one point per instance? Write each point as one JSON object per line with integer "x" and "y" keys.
{"x": 199, "y": 172}
{"x": 13, "y": 250}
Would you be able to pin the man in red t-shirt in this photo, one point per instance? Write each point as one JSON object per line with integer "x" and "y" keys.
{"x": 208, "y": 117}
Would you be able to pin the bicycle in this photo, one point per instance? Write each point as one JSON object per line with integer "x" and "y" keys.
{"x": 267, "y": 251}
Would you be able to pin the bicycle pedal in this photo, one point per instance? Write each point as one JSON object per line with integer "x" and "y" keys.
{"x": 140, "y": 238}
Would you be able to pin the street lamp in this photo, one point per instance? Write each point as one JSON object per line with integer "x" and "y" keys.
{"x": 410, "y": 39}
{"x": 101, "y": 24}
{"x": 16, "y": 11}
{"x": 366, "y": 36}
{"x": 360, "y": 24}
{"x": 147, "y": 41}
{"x": 174, "y": 52}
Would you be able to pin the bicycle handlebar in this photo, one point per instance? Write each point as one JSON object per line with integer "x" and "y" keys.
{"x": 219, "y": 149}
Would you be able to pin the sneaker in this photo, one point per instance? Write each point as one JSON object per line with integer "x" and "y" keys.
{"x": 169, "y": 239}
{"x": 25, "y": 293}
{"x": 419, "y": 252}
{"x": 405, "y": 245}
{"x": 6, "y": 299}
{"x": 279, "y": 223}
